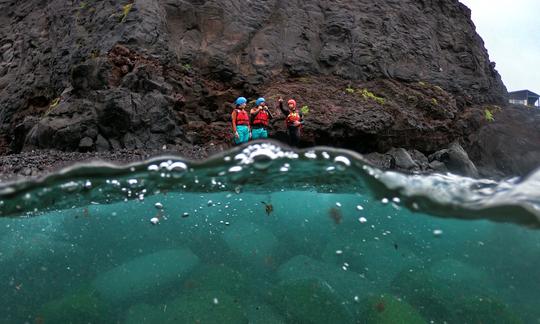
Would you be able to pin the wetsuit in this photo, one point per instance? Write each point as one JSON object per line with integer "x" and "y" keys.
{"x": 293, "y": 131}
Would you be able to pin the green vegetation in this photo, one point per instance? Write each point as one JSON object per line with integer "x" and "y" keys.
{"x": 422, "y": 83}
{"x": 304, "y": 110}
{"x": 187, "y": 66}
{"x": 125, "y": 11}
{"x": 52, "y": 105}
{"x": 434, "y": 102}
{"x": 489, "y": 115}
{"x": 349, "y": 90}
{"x": 304, "y": 79}
{"x": 438, "y": 88}
{"x": 371, "y": 96}
{"x": 83, "y": 5}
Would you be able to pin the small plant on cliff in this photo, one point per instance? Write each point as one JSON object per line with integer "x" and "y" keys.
{"x": 82, "y": 5}
{"x": 488, "y": 115}
{"x": 187, "y": 66}
{"x": 304, "y": 110}
{"x": 422, "y": 83}
{"x": 125, "y": 12}
{"x": 371, "y": 96}
{"x": 438, "y": 88}
{"x": 434, "y": 102}
{"x": 52, "y": 105}
{"x": 349, "y": 90}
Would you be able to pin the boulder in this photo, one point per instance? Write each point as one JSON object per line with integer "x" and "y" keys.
{"x": 403, "y": 159}
{"x": 198, "y": 307}
{"x": 456, "y": 160}
{"x": 145, "y": 275}
{"x": 251, "y": 242}
{"x": 387, "y": 309}
{"x": 310, "y": 301}
{"x": 347, "y": 283}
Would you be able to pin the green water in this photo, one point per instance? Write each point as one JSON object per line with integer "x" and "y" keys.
{"x": 343, "y": 243}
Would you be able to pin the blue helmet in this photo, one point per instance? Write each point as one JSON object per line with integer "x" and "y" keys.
{"x": 241, "y": 101}
{"x": 259, "y": 101}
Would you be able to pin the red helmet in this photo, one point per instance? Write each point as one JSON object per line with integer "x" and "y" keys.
{"x": 293, "y": 102}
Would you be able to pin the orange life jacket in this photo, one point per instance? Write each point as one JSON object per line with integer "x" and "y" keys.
{"x": 261, "y": 118}
{"x": 293, "y": 117}
{"x": 242, "y": 117}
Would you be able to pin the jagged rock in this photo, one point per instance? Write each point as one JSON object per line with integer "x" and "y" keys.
{"x": 86, "y": 144}
{"x": 169, "y": 63}
{"x": 456, "y": 160}
{"x": 402, "y": 158}
{"x": 102, "y": 145}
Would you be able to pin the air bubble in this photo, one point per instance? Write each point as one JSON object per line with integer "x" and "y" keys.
{"x": 437, "y": 232}
{"x": 362, "y": 220}
{"x": 358, "y": 207}
{"x": 342, "y": 160}
{"x": 384, "y": 200}
{"x": 158, "y": 205}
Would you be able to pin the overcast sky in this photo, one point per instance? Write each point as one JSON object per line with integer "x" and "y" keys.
{"x": 511, "y": 33}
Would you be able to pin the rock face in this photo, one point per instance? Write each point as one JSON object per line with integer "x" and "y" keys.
{"x": 80, "y": 76}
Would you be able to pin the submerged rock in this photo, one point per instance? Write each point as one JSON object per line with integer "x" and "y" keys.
{"x": 145, "y": 275}
{"x": 251, "y": 242}
{"x": 349, "y": 284}
{"x": 83, "y": 306}
{"x": 310, "y": 301}
{"x": 198, "y": 307}
{"x": 387, "y": 309}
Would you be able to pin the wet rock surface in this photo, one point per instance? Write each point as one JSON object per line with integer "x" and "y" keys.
{"x": 99, "y": 77}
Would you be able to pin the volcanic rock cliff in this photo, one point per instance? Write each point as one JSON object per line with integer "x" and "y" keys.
{"x": 376, "y": 75}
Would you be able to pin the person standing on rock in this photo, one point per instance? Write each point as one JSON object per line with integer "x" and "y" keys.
{"x": 260, "y": 118}
{"x": 240, "y": 122}
{"x": 293, "y": 121}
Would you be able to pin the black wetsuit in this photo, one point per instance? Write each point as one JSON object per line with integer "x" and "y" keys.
{"x": 293, "y": 131}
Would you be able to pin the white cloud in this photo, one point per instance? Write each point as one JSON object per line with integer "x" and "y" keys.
{"x": 511, "y": 32}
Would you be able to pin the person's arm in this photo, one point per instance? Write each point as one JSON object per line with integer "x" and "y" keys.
{"x": 233, "y": 116}
{"x": 269, "y": 113}
{"x": 283, "y": 110}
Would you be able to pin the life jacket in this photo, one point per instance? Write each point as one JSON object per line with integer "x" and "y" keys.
{"x": 291, "y": 118}
{"x": 242, "y": 117}
{"x": 261, "y": 118}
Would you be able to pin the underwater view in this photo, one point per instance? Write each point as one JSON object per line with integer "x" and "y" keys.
{"x": 264, "y": 234}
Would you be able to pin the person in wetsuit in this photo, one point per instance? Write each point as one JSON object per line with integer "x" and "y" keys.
{"x": 293, "y": 120}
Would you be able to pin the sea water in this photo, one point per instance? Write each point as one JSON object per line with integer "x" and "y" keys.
{"x": 264, "y": 234}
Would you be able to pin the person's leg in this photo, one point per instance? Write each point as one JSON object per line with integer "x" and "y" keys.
{"x": 256, "y": 133}
{"x": 243, "y": 134}
{"x": 264, "y": 133}
{"x": 294, "y": 136}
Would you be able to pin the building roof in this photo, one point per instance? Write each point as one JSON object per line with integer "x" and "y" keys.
{"x": 523, "y": 95}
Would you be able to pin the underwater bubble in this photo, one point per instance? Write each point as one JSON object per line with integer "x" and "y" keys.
{"x": 437, "y": 232}
{"x": 358, "y": 207}
{"x": 87, "y": 184}
{"x": 185, "y": 214}
{"x": 158, "y": 205}
{"x": 356, "y": 299}
{"x": 362, "y": 220}
{"x": 338, "y": 204}
{"x": 177, "y": 167}
{"x": 384, "y": 200}
{"x": 338, "y": 252}
{"x": 342, "y": 160}
{"x": 154, "y": 220}
{"x": 236, "y": 168}
{"x": 216, "y": 301}
{"x": 325, "y": 155}
{"x": 153, "y": 168}
{"x": 310, "y": 155}
{"x": 210, "y": 203}
{"x": 71, "y": 186}
{"x": 396, "y": 200}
